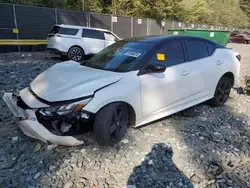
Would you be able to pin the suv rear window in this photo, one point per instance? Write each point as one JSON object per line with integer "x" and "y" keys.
{"x": 63, "y": 31}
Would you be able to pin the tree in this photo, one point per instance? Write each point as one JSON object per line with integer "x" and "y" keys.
{"x": 245, "y": 6}
{"x": 231, "y": 13}
{"x": 227, "y": 13}
{"x": 158, "y": 9}
{"x": 194, "y": 11}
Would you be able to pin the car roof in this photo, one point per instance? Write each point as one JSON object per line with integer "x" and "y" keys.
{"x": 160, "y": 38}
{"x": 80, "y": 27}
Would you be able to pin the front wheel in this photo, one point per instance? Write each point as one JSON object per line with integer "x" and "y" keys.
{"x": 75, "y": 53}
{"x": 111, "y": 124}
{"x": 222, "y": 92}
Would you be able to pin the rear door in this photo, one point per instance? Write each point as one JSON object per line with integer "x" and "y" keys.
{"x": 93, "y": 41}
{"x": 109, "y": 39}
{"x": 168, "y": 91}
{"x": 205, "y": 65}
{"x": 61, "y": 37}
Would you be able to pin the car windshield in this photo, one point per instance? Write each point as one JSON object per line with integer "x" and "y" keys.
{"x": 121, "y": 56}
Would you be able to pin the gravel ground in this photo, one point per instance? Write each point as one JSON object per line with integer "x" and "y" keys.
{"x": 200, "y": 147}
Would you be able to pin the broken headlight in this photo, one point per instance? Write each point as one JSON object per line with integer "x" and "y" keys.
{"x": 65, "y": 109}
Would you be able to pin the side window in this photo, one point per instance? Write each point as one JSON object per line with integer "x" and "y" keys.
{"x": 196, "y": 49}
{"x": 88, "y": 33}
{"x": 68, "y": 31}
{"x": 171, "y": 54}
{"x": 109, "y": 37}
{"x": 210, "y": 48}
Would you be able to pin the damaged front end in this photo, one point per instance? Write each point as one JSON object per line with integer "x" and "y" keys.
{"x": 57, "y": 122}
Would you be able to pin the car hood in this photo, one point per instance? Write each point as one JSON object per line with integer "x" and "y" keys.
{"x": 70, "y": 80}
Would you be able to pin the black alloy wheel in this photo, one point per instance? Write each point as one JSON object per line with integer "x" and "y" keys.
{"x": 111, "y": 123}
{"x": 119, "y": 123}
{"x": 222, "y": 92}
{"x": 75, "y": 54}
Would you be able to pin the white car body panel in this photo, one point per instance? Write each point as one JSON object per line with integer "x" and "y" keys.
{"x": 64, "y": 42}
{"x": 126, "y": 90}
{"x": 163, "y": 94}
{"x": 162, "y": 90}
{"x": 30, "y": 99}
{"x": 91, "y": 45}
{"x": 70, "y": 80}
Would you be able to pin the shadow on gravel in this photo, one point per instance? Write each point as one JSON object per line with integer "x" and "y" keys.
{"x": 158, "y": 170}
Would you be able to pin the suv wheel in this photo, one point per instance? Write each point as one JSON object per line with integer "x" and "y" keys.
{"x": 111, "y": 124}
{"x": 75, "y": 53}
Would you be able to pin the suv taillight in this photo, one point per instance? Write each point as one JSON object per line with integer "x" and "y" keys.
{"x": 238, "y": 57}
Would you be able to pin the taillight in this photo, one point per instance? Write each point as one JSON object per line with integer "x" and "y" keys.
{"x": 238, "y": 57}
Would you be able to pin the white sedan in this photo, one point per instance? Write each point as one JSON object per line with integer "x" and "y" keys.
{"x": 130, "y": 83}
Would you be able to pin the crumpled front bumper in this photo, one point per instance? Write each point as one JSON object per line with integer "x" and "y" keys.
{"x": 32, "y": 128}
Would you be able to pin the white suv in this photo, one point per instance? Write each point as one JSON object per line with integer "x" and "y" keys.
{"x": 74, "y": 42}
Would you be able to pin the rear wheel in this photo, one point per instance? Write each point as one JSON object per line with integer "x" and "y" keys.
{"x": 75, "y": 53}
{"x": 222, "y": 92}
{"x": 111, "y": 124}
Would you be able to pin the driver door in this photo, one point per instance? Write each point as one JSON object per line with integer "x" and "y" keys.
{"x": 169, "y": 90}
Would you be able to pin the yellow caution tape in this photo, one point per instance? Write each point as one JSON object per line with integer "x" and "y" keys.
{"x": 22, "y": 42}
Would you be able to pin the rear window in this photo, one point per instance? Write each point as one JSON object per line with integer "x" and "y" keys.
{"x": 88, "y": 33}
{"x": 196, "y": 49}
{"x": 63, "y": 31}
{"x": 210, "y": 48}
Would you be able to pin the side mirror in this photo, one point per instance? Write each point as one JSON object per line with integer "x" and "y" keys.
{"x": 156, "y": 68}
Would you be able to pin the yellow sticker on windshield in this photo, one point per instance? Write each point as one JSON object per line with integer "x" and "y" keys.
{"x": 160, "y": 57}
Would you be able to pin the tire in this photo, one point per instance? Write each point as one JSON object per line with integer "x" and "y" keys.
{"x": 75, "y": 53}
{"x": 222, "y": 92}
{"x": 64, "y": 57}
{"x": 107, "y": 130}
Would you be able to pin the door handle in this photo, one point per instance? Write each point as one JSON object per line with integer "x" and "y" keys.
{"x": 185, "y": 72}
{"x": 219, "y": 62}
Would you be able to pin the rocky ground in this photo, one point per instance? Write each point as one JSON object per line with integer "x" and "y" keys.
{"x": 201, "y": 147}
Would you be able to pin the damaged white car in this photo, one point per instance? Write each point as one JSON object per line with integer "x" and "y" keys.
{"x": 130, "y": 83}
